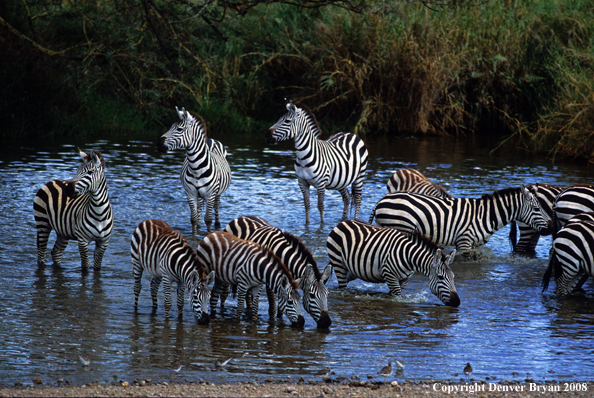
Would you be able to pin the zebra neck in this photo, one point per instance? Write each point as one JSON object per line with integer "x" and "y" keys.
{"x": 501, "y": 209}
{"x": 99, "y": 198}
{"x": 305, "y": 141}
{"x": 196, "y": 150}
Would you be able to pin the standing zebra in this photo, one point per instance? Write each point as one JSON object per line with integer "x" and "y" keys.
{"x": 167, "y": 256}
{"x": 333, "y": 164}
{"x": 411, "y": 180}
{"x": 298, "y": 259}
{"x": 248, "y": 265}
{"x": 570, "y": 202}
{"x": 78, "y": 209}
{"x": 571, "y": 259}
{"x": 545, "y": 194}
{"x": 205, "y": 174}
{"x": 460, "y": 222}
{"x": 377, "y": 254}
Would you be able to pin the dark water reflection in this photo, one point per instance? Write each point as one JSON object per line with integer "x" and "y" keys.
{"x": 49, "y": 315}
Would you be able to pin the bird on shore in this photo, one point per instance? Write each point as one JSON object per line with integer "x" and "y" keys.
{"x": 176, "y": 368}
{"x": 399, "y": 365}
{"x": 386, "y": 371}
{"x": 221, "y": 363}
{"x": 84, "y": 360}
{"x": 324, "y": 373}
{"x": 468, "y": 370}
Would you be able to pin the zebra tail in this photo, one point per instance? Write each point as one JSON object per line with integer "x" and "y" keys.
{"x": 233, "y": 291}
{"x": 513, "y": 235}
{"x": 372, "y": 214}
{"x": 554, "y": 265}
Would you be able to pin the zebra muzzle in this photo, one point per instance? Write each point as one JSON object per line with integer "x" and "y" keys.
{"x": 161, "y": 145}
{"x": 270, "y": 138}
{"x": 300, "y": 322}
{"x": 70, "y": 190}
{"x": 454, "y": 300}
{"x": 324, "y": 322}
{"x": 205, "y": 319}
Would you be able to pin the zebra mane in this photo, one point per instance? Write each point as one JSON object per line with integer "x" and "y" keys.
{"x": 423, "y": 240}
{"x": 308, "y": 112}
{"x": 201, "y": 121}
{"x": 270, "y": 254}
{"x": 501, "y": 192}
{"x": 295, "y": 241}
{"x": 166, "y": 229}
{"x": 442, "y": 190}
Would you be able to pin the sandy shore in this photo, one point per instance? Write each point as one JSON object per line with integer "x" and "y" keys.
{"x": 309, "y": 389}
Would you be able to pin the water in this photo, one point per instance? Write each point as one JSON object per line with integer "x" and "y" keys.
{"x": 504, "y": 326}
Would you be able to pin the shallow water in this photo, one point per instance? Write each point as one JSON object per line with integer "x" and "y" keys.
{"x": 504, "y": 326}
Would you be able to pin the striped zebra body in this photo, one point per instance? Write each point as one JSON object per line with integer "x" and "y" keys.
{"x": 572, "y": 259}
{"x": 545, "y": 194}
{"x": 165, "y": 254}
{"x": 78, "y": 209}
{"x": 205, "y": 174}
{"x": 334, "y": 164}
{"x": 298, "y": 259}
{"x": 572, "y": 201}
{"x": 358, "y": 250}
{"x": 460, "y": 222}
{"x": 248, "y": 265}
{"x": 411, "y": 180}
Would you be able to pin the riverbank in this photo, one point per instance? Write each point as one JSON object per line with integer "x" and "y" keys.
{"x": 309, "y": 389}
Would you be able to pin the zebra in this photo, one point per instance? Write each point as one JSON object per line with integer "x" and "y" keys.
{"x": 570, "y": 202}
{"x": 334, "y": 164}
{"x": 206, "y": 173}
{"x": 460, "y": 222}
{"x": 358, "y": 250}
{"x": 298, "y": 259}
{"x": 248, "y": 265}
{"x": 411, "y": 180}
{"x": 78, "y": 209}
{"x": 526, "y": 245}
{"x": 167, "y": 256}
{"x": 571, "y": 259}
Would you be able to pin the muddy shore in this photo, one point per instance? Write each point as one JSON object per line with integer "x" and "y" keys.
{"x": 309, "y": 389}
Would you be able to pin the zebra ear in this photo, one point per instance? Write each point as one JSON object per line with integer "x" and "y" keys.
{"x": 326, "y": 274}
{"x": 182, "y": 114}
{"x": 94, "y": 158}
{"x": 82, "y": 155}
{"x": 291, "y": 107}
{"x": 210, "y": 278}
{"x": 451, "y": 257}
{"x": 437, "y": 258}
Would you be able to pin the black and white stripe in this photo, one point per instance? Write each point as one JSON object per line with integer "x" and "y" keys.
{"x": 334, "y": 164}
{"x": 167, "y": 256}
{"x": 358, "y": 250}
{"x": 205, "y": 174}
{"x": 526, "y": 245}
{"x": 572, "y": 201}
{"x": 572, "y": 259}
{"x": 248, "y": 265}
{"x": 298, "y": 259}
{"x": 411, "y": 180}
{"x": 460, "y": 222}
{"x": 78, "y": 209}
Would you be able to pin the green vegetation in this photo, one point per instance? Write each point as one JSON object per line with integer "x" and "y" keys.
{"x": 523, "y": 70}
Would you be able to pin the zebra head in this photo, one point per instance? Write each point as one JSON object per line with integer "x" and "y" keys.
{"x": 532, "y": 213}
{"x": 315, "y": 297}
{"x": 89, "y": 176}
{"x": 441, "y": 279}
{"x": 200, "y": 297}
{"x": 287, "y": 126}
{"x": 288, "y": 302}
{"x": 182, "y": 134}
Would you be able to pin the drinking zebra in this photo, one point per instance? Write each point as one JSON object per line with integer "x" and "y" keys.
{"x": 571, "y": 259}
{"x": 298, "y": 259}
{"x": 460, "y": 222}
{"x": 167, "y": 256}
{"x": 411, "y": 180}
{"x": 359, "y": 250}
{"x": 545, "y": 194}
{"x": 205, "y": 174}
{"x": 248, "y": 265}
{"x": 334, "y": 164}
{"x": 570, "y": 202}
{"x": 78, "y": 209}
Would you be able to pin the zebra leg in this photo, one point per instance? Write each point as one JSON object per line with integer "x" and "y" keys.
{"x": 346, "y": 199}
{"x": 195, "y": 204}
{"x": 272, "y": 310}
{"x": 241, "y": 293}
{"x": 137, "y": 271}
{"x": 393, "y": 283}
{"x": 167, "y": 290}
{"x": 304, "y": 186}
{"x": 255, "y": 293}
{"x": 208, "y": 214}
{"x": 83, "y": 248}
{"x": 357, "y": 190}
{"x": 321, "y": 193}
{"x": 181, "y": 290}
{"x": 155, "y": 282}
{"x": 217, "y": 203}
{"x": 224, "y": 294}
{"x": 342, "y": 275}
{"x": 100, "y": 248}
{"x": 218, "y": 287}
{"x": 43, "y": 233}
{"x": 58, "y": 250}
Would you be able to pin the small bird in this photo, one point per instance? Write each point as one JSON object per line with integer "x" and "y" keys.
{"x": 399, "y": 365}
{"x": 221, "y": 363}
{"x": 176, "y": 368}
{"x": 386, "y": 371}
{"x": 467, "y": 370}
{"x": 84, "y": 360}
{"x": 324, "y": 373}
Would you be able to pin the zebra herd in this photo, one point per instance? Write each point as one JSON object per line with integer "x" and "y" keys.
{"x": 415, "y": 220}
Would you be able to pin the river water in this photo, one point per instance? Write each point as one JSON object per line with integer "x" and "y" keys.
{"x": 504, "y": 326}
